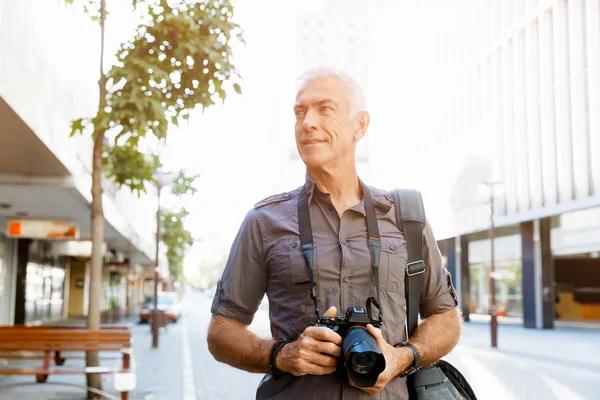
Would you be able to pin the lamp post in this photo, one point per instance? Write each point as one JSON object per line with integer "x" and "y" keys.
{"x": 489, "y": 187}
{"x": 162, "y": 180}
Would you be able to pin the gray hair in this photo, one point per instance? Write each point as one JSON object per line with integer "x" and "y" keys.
{"x": 358, "y": 101}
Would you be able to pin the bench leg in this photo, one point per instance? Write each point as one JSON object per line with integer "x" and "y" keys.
{"x": 58, "y": 360}
{"x": 41, "y": 378}
{"x": 126, "y": 367}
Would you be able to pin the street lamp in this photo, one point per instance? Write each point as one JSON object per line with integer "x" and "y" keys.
{"x": 487, "y": 188}
{"x": 162, "y": 179}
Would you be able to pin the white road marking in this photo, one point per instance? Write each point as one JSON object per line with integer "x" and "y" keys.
{"x": 483, "y": 381}
{"x": 189, "y": 388}
{"x": 561, "y": 391}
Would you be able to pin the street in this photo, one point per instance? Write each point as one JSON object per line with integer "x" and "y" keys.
{"x": 214, "y": 380}
{"x": 530, "y": 364}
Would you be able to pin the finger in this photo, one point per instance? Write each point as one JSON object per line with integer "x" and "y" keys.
{"x": 309, "y": 368}
{"x": 328, "y": 348}
{"x": 376, "y": 333}
{"x": 331, "y": 312}
{"x": 323, "y": 334}
{"x": 321, "y": 359}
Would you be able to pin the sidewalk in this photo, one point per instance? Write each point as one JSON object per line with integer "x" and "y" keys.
{"x": 575, "y": 347}
{"x": 158, "y": 371}
{"x": 563, "y": 363}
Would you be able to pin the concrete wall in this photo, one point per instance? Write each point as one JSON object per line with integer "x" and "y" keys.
{"x": 528, "y": 84}
{"x": 77, "y": 286}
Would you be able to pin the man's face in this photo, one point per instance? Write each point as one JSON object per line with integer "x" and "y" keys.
{"x": 326, "y": 133}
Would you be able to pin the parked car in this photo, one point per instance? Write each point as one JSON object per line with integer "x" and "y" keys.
{"x": 169, "y": 302}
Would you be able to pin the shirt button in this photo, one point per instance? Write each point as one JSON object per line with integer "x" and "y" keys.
{"x": 343, "y": 241}
{"x": 294, "y": 244}
{"x": 392, "y": 247}
{"x": 346, "y": 279}
{"x": 286, "y": 195}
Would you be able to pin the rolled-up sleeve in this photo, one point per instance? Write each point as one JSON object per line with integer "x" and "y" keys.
{"x": 244, "y": 280}
{"x": 438, "y": 294}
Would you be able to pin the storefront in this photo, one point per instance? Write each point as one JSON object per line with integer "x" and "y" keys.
{"x": 508, "y": 284}
{"x": 508, "y": 276}
{"x": 577, "y": 288}
{"x": 41, "y": 295}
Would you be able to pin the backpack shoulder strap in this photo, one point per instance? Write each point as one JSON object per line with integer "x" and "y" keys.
{"x": 410, "y": 218}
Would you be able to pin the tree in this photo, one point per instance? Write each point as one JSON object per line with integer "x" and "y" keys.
{"x": 176, "y": 238}
{"x": 179, "y": 58}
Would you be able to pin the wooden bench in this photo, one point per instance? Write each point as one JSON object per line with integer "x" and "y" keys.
{"x": 54, "y": 340}
{"x": 58, "y": 358}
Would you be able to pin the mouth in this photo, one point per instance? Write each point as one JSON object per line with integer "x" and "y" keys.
{"x": 312, "y": 142}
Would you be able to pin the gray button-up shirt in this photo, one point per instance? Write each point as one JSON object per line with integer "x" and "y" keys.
{"x": 266, "y": 258}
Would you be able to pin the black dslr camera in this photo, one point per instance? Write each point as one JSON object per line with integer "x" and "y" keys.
{"x": 362, "y": 358}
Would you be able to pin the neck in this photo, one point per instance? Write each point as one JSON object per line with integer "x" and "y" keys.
{"x": 340, "y": 185}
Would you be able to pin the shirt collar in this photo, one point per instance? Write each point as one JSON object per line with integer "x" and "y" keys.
{"x": 380, "y": 199}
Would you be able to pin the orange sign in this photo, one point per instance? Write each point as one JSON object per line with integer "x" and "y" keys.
{"x": 14, "y": 228}
{"x": 42, "y": 229}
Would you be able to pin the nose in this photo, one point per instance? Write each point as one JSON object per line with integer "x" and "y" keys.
{"x": 310, "y": 121}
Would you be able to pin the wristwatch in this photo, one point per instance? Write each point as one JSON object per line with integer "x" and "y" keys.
{"x": 414, "y": 367}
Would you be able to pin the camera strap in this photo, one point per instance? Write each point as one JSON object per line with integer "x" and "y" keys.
{"x": 308, "y": 248}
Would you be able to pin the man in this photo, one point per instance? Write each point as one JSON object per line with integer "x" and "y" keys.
{"x": 266, "y": 258}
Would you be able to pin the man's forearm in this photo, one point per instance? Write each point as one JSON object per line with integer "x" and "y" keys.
{"x": 233, "y": 343}
{"x": 437, "y": 335}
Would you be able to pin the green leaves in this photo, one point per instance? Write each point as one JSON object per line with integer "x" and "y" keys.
{"x": 176, "y": 238}
{"x": 183, "y": 184}
{"x": 128, "y": 166}
{"x": 179, "y": 60}
{"x": 77, "y": 126}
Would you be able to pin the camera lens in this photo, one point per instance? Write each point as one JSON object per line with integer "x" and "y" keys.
{"x": 363, "y": 358}
{"x": 363, "y": 363}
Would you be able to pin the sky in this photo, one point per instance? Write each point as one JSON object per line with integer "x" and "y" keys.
{"x": 238, "y": 148}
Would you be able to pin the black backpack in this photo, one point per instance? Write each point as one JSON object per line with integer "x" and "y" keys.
{"x": 440, "y": 381}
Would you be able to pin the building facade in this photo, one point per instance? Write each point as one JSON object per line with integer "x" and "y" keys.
{"x": 333, "y": 34}
{"x": 525, "y": 91}
{"x": 48, "y": 74}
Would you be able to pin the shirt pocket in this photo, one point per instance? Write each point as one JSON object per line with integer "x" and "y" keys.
{"x": 297, "y": 266}
{"x": 392, "y": 264}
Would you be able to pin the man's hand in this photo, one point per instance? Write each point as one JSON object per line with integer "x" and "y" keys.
{"x": 314, "y": 353}
{"x": 397, "y": 360}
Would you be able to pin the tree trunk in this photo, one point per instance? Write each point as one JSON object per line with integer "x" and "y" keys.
{"x": 92, "y": 359}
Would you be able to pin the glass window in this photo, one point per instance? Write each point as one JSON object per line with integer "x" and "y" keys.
{"x": 44, "y": 292}
{"x": 44, "y": 284}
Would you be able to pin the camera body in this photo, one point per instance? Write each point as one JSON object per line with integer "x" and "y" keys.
{"x": 362, "y": 358}
{"x": 354, "y": 316}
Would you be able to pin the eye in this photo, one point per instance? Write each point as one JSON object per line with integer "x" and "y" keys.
{"x": 326, "y": 109}
{"x": 299, "y": 113}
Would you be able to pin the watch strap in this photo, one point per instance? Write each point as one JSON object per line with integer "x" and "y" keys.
{"x": 414, "y": 366}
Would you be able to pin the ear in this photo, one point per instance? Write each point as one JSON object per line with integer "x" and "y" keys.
{"x": 362, "y": 123}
